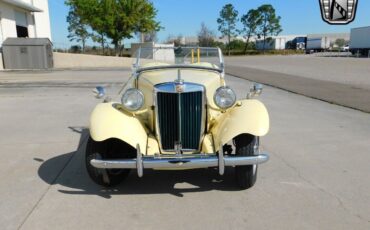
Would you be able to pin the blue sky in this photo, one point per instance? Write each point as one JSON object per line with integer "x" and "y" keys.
{"x": 185, "y": 16}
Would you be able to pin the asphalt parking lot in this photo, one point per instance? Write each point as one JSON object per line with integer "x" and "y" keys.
{"x": 339, "y": 80}
{"x": 317, "y": 177}
{"x": 344, "y": 70}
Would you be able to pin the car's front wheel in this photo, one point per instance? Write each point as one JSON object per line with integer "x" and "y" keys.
{"x": 109, "y": 149}
{"x": 246, "y": 145}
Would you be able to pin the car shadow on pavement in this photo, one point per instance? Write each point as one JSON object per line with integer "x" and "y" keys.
{"x": 72, "y": 178}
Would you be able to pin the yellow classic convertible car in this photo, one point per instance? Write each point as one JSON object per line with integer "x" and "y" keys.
{"x": 177, "y": 112}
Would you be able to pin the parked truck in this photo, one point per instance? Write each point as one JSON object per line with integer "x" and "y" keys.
{"x": 360, "y": 41}
{"x": 317, "y": 44}
{"x": 299, "y": 43}
{"x": 278, "y": 43}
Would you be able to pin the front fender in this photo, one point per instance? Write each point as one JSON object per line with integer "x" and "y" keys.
{"x": 250, "y": 117}
{"x": 108, "y": 122}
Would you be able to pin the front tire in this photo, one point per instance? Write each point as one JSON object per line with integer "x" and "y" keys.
{"x": 246, "y": 175}
{"x": 108, "y": 149}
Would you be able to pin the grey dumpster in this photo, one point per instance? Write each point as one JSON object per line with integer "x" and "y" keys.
{"x": 27, "y": 53}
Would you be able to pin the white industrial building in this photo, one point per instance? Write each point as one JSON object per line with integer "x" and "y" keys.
{"x": 24, "y": 18}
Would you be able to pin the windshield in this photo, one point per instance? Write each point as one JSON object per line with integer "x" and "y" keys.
{"x": 167, "y": 56}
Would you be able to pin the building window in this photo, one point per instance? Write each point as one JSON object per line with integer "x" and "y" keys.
{"x": 21, "y": 24}
{"x": 22, "y": 32}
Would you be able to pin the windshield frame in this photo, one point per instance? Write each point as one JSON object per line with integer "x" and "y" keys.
{"x": 137, "y": 69}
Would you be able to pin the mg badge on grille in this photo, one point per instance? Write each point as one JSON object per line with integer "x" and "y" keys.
{"x": 180, "y": 88}
{"x": 338, "y": 11}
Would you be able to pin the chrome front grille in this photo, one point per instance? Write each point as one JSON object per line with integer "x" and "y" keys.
{"x": 180, "y": 116}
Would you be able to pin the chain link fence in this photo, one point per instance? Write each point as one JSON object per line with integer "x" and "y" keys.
{"x": 90, "y": 49}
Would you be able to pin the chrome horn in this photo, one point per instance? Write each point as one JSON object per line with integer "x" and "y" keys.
{"x": 255, "y": 91}
{"x": 99, "y": 92}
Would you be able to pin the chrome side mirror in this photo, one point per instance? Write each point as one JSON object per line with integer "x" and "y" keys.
{"x": 255, "y": 91}
{"x": 99, "y": 92}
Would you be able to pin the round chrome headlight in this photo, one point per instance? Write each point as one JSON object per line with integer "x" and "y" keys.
{"x": 132, "y": 99}
{"x": 224, "y": 97}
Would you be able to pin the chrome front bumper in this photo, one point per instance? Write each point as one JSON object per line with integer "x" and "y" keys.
{"x": 180, "y": 162}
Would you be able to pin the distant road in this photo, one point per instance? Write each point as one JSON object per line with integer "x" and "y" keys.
{"x": 350, "y": 88}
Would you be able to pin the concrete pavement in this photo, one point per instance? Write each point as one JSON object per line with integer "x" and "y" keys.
{"x": 317, "y": 177}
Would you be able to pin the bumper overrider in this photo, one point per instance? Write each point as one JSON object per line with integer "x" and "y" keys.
{"x": 180, "y": 161}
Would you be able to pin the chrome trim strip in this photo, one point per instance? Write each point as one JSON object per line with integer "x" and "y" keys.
{"x": 204, "y": 161}
{"x": 170, "y": 87}
{"x": 180, "y": 119}
{"x": 178, "y": 67}
{"x": 220, "y": 70}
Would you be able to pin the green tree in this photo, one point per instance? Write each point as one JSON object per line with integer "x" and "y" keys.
{"x": 270, "y": 25}
{"x": 78, "y": 30}
{"x": 151, "y": 36}
{"x": 75, "y": 49}
{"x": 340, "y": 42}
{"x": 100, "y": 38}
{"x": 237, "y": 44}
{"x": 227, "y": 22}
{"x": 92, "y": 11}
{"x": 205, "y": 36}
{"x": 117, "y": 19}
{"x": 148, "y": 37}
{"x": 250, "y": 22}
{"x": 176, "y": 40}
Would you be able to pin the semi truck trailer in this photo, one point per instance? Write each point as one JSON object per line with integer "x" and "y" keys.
{"x": 360, "y": 41}
{"x": 317, "y": 44}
